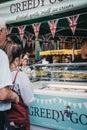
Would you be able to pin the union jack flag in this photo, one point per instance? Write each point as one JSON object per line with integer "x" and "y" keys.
{"x": 46, "y": 41}
{"x": 53, "y": 24}
{"x": 21, "y": 31}
{"x": 62, "y": 40}
{"x": 29, "y": 39}
{"x": 36, "y": 27}
{"x": 9, "y": 29}
{"x": 73, "y": 22}
{"x": 79, "y": 39}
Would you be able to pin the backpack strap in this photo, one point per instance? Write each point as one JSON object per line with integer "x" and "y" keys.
{"x": 15, "y": 78}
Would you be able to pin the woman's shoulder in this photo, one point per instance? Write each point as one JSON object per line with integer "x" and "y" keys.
{"x": 22, "y": 74}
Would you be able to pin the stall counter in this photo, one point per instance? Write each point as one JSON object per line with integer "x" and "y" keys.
{"x": 59, "y": 105}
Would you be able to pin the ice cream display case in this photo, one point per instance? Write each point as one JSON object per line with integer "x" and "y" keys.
{"x": 60, "y": 96}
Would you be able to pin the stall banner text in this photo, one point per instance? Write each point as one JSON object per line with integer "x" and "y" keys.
{"x": 22, "y": 10}
{"x": 57, "y": 112}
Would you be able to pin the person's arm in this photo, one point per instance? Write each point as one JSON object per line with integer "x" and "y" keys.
{"x": 6, "y": 80}
{"x": 7, "y": 94}
{"x": 26, "y": 89}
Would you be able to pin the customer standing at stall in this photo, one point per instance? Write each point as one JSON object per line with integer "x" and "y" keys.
{"x": 19, "y": 118}
{"x": 43, "y": 60}
{"x": 6, "y": 95}
{"x": 83, "y": 56}
{"x": 67, "y": 59}
{"x": 24, "y": 66}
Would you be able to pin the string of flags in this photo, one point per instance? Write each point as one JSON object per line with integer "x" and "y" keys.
{"x": 52, "y": 101}
{"x": 53, "y": 24}
{"x": 72, "y": 20}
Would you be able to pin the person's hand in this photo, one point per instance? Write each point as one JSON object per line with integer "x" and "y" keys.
{"x": 7, "y": 94}
{"x": 16, "y": 98}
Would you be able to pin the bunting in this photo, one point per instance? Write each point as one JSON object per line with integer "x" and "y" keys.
{"x": 29, "y": 40}
{"x": 9, "y": 30}
{"x": 36, "y": 28}
{"x": 53, "y": 25}
{"x": 73, "y": 22}
{"x": 46, "y": 41}
{"x": 62, "y": 41}
{"x": 79, "y": 39}
{"x": 61, "y": 101}
{"x": 21, "y": 31}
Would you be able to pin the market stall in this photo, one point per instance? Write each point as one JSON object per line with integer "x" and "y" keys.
{"x": 60, "y": 102}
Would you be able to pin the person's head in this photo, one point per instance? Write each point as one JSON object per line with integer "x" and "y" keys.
{"x": 12, "y": 67}
{"x": 3, "y": 32}
{"x": 28, "y": 54}
{"x": 55, "y": 61}
{"x": 24, "y": 61}
{"x": 13, "y": 51}
{"x": 84, "y": 48}
{"x": 44, "y": 58}
{"x": 67, "y": 59}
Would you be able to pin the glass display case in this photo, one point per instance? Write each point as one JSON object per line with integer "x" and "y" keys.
{"x": 71, "y": 72}
{"x": 49, "y": 76}
{"x": 60, "y": 96}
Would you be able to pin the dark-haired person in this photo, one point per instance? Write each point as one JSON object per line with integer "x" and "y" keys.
{"x": 83, "y": 56}
{"x": 6, "y": 95}
{"x": 19, "y": 119}
{"x": 43, "y": 60}
{"x": 67, "y": 60}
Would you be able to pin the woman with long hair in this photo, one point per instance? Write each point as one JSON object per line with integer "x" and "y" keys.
{"x": 19, "y": 119}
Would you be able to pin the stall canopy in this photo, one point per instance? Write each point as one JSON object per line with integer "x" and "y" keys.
{"x": 17, "y": 13}
{"x": 60, "y": 52}
{"x": 31, "y": 11}
{"x": 63, "y": 28}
